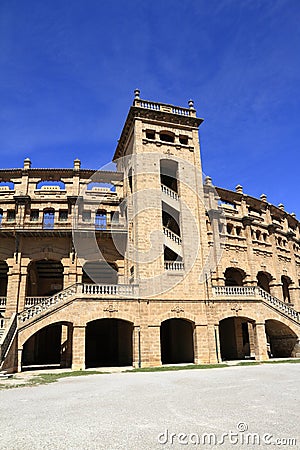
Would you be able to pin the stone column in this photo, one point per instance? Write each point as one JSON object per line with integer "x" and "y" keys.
{"x": 251, "y": 339}
{"x": 20, "y": 351}
{"x": 213, "y": 343}
{"x": 22, "y": 288}
{"x": 66, "y": 345}
{"x": 261, "y": 342}
{"x": 201, "y": 345}
{"x": 151, "y": 346}
{"x": 78, "y": 347}
{"x": 276, "y": 289}
{"x": 137, "y": 346}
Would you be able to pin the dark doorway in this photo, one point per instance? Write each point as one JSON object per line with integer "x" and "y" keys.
{"x": 177, "y": 343}
{"x": 108, "y": 343}
{"x": 50, "y": 346}
{"x": 235, "y": 339}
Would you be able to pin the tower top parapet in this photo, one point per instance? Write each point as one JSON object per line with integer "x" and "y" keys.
{"x": 164, "y": 107}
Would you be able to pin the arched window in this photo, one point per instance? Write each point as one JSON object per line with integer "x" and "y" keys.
{"x": 286, "y": 281}
{"x": 234, "y": 277}
{"x": 167, "y": 136}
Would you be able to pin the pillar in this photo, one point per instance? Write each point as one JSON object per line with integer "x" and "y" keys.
{"x": 151, "y": 346}
{"x": 261, "y": 342}
{"x": 201, "y": 345}
{"x": 78, "y": 353}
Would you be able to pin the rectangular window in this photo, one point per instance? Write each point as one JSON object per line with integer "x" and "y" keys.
{"x": 1, "y": 216}
{"x": 100, "y": 220}
{"x": 63, "y": 215}
{"x": 11, "y": 215}
{"x": 34, "y": 215}
{"x": 86, "y": 216}
{"x": 114, "y": 217}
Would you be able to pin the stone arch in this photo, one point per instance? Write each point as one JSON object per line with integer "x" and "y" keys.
{"x": 177, "y": 341}
{"x": 51, "y": 345}
{"x": 281, "y": 339}
{"x": 286, "y": 282}
{"x": 44, "y": 277}
{"x": 169, "y": 173}
{"x": 100, "y": 272}
{"x": 234, "y": 276}
{"x": 263, "y": 280}
{"x": 109, "y": 342}
{"x": 236, "y": 337}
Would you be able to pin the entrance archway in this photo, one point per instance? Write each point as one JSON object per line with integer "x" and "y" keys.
{"x": 236, "y": 336}
{"x": 281, "y": 338}
{"x": 50, "y": 346}
{"x": 177, "y": 342}
{"x": 108, "y": 343}
{"x": 44, "y": 278}
{"x": 234, "y": 277}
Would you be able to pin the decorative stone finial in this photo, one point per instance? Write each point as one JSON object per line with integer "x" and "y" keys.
{"x": 191, "y": 104}
{"x": 239, "y": 189}
{"x": 77, "y": 164}
{"x": 281, "y": 206}
{"x": 27, "y": 164}
{"x": 263, "y": 197}
{"x": 208, "y": 181}
{"x": 293, "y": 214}
{"x": 137, "y": 94}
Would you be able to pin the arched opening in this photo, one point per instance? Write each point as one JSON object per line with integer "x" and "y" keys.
{"x": 263, "y": 281}
{"x": 170, "y": 219}
{"x": 44, "y": 278}
{"x": 234, "y": 277}
{"x": 281, "y": 339}
{"x": 168, "y": 173}
{"x": 48, "y": 219}
{"x": 108, "y": 343}
{"x": 100, "y": 272}
{"x": 236, "y": 336}
{"x": 286, "y": 281}
{"x": 167, "y": 136}
{"x": 49, "y": 347}
{"x": 177, "y": 341}
{"x": 3, "y": 278}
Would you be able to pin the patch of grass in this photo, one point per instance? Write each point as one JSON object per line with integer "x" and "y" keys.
{"x": 289, "y": 361}
{"x": 248, "y": 363}
{"x": 173, "y": 368}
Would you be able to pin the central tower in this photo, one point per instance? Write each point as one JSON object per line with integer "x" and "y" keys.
{"x": 159, "y": 154}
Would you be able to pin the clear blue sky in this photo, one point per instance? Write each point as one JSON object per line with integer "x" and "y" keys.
{"x": 68, "y": 70}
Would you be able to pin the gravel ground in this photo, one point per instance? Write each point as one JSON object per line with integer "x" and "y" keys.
{"x": 142, "y": 410}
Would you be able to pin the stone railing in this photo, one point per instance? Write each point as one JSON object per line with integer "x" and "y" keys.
{"x": 169, "y": 192}
{"x": 173, "y": 236}
{"x": 255, "y": 291}
{"x": 8, "y": 336}
{"x": 110, "y": 289}
{"x": 41, "y": 304}
{"x": 32, "y": 301}
{"x": 2, "y": 301}
{"x": 174, "y": 265}
{"x": 165, "y": 108}
{"x": 46, "y": 303}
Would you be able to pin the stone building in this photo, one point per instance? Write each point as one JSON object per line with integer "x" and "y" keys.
{"x": 145, "y": 264}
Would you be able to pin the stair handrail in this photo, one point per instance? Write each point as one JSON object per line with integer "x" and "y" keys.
{"x": 8, "y": 336}
{"x": 45, "y": 304}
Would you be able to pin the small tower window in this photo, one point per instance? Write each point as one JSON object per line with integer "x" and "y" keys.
{"x": 150, "y": 134}
{"x": 184, "y": 140}
{"x": 167, "y": 136}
